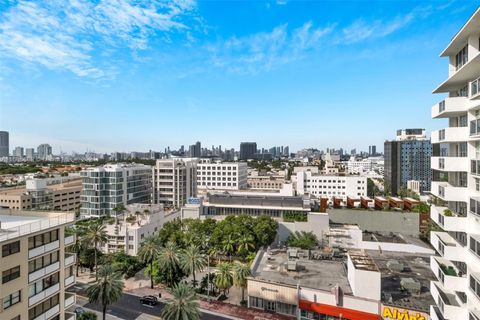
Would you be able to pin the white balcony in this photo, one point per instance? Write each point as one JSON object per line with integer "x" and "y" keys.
{"x": 35, "y": 252}
{"x": 69, "y": 281}
{"x": 447, "y": 246}
{"x": 450, "y": 164}
{"x": 435, "y": 313}
{"x": 447, "y": 302}
{"x": 50, "y": 313}
{"x": 460, "y": 77}
{"x": 447, "y": 192}
{"x": 448, "y": 274}
{"x": 43, "y": 294}
{"x": 69, "y": 240}
{"x": 450, "y": 107}
{"x": 451, "y": 134}
{"x": 70, "y": 300}
{"x": 43, "y": 272}
{"x": 70, "y": 259}
{"x": 449, "y": 221}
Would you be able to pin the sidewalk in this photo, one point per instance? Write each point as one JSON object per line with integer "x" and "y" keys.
{"x": 215, "y": 307}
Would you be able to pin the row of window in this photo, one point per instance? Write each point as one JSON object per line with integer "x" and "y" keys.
{"x": 42, "y": 239}
{"x": 10, "y": 248}
{"x": 219, "y": 179}
{"x": 11, "y": 299}
{"x": 10, "y": 274}
{"x": 218, "y": 184}
{"x": 43, "y": 261}
{"x": 43, "y": 284}
{"x": 43, "y": 307}
{"x": 213, "y": 173}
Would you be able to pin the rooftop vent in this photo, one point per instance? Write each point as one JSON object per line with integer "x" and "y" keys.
{"x": 395, "y": 265}
{"x": 292, "y": 265}
{"x": 411, "y": 285}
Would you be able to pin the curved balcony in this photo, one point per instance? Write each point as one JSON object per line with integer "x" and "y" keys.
{"x": 447, "y": 192}
{"x": 450, "y": 134}
{"x": 450, "y": 107}
{"x": 450, "y": 164}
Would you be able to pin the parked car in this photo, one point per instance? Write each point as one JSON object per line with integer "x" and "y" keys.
{"x": 149, "y": 300}
{"x": 79, "y": 310}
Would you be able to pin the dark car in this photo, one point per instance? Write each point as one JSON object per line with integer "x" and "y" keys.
{"x": 149, "y": 300}
{"x": 79, "y": 310}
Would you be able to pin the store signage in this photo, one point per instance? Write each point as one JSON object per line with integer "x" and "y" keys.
{"x": 392, "y": 313}
{"x": 268, "y": 289}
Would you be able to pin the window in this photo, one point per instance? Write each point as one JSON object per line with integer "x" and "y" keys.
{"x": 461, "y": 57}
{"x": 475, "y": 247}
{"x": 11, "y": 300}
{"x": 10, "y": 274}
{"x": 43, "y": 307}
{"x": 11, "y": 248}
{"x": 42, "y": 239}
{"x": 475, "y": 286}
{"x": 43, "y": 261}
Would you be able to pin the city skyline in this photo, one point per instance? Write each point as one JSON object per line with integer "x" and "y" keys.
{"x": 130, "y": 84}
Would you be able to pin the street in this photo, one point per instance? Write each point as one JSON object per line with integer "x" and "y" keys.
{"x": 129, "y": 308}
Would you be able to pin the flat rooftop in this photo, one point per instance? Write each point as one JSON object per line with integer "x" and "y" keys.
{"x": 395, "y": 266}
{"x": 319, "y": 274}
{"x": 257, "y": 200}
{"x": 17, "y": 223}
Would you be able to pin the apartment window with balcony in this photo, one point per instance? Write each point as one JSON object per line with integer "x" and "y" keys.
{"x": 475, "y": 87}
{"x": 10, "y": 248}
{"x": 42, "y": 239}
{"x": 43, "y": 284}
{"x": 43, "y": 307}
{"x": 43, "y": 261}
{"x": 10, "y": 274}
{"x": 441, "y": 135}
{"x": 475, "y": 286}
{"x": 11, "y": 299}
{"x": 461, "y": 57}
{"x": 475, "y": 246}
{"x": 441, "y": 163}
{"x": 441, "y": 106}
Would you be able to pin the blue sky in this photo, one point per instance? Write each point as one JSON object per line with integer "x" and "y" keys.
{"x": 119, "y": 75}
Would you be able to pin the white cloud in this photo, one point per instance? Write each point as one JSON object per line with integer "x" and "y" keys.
{"x": 72, "y": 34}
{"x": 265, "y": 50}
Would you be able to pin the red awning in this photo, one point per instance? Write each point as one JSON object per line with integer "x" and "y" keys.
{"x": 347, "y": 314}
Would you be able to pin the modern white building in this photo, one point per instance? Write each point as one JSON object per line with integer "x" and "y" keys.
{"x": 174, "y": 181}
{"x": 320, "y": 185}
{"x": 456, "y": 181}
{"x": 133, "y": 226}
{"x": 105, "y": 187}
{"x": 221, "y": 176}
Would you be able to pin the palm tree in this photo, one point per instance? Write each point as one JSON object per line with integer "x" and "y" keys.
{"x": 224, "y": 277}
{"x": 191, "y": 261}
{"x": 119, "y": 209}
{"x": 149, "y": 252}
{"x": 245, "y": 244}
{"x": 228, "y": 246}
{"x": 77, "y": 248}
{"x": 241, "y": 272}
{"x": 169, "y": 262}
{"x": 108, "y": 289}
{"x": 183, "y": 306}
{"x": 95, "y": 235}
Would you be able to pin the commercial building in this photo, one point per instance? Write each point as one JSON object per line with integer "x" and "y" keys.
{"x": 4, "y": 144}
{"x": 455, "y": 163}
{"x": 331, "y": 284}
{"x": 221, "y": 176}
{"x": 44, "y": 151}
{"x": 18, "y": 152}
{"x": 134, "y": 225}
{"x": 30, "y": 154}
{"x": 106, "y": 187}
{"x": 36, "y": 269}
{"x": 174, "y": 181}
{"x": 266, "y": 182}
{"x": 407, "y": 158}
{"x": 40, "y": 195}
{"x": 248, "y": 150}
{"x": 329, "y": 186}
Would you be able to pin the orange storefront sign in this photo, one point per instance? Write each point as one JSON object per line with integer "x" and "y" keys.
{"x": 347, "y": 314}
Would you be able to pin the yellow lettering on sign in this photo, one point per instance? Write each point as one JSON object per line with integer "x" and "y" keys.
{"x": 400, "y": 314}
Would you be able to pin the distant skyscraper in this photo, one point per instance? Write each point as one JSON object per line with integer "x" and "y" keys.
{"x": 248, "y": 150}
{"x": 4, "y": 144}
{"x": 195, "y": 150}
{"x": 30, "y": 153}
{"x": 372, "y": 150}
{"x": 18, "y": 152}
{"x": 44, "y": 151}
{"x": 286, "y": 151}
{"x": 408, "y": 158}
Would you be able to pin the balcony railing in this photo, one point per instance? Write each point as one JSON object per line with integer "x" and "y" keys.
{"x": 49, "y": 314}
{"x": 44, "y": 294}
{"x": 69, "y": 240}
{"x": 69, "y": 299}
{"x": 35, "y": 275}
{"x": 70, "y": 280}
{"x": 32, "y": 253}
{"x": 69, "y": 259}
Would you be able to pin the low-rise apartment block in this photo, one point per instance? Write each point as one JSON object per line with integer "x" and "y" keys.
{"x": 36, "y": 269}
{"x": 221, "y": 176}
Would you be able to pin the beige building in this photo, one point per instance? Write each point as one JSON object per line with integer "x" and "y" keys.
{"x": 37, "y": 194}
{"x": 36, "y": 270}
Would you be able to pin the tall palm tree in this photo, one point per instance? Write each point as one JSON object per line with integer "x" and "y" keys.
{"x": 241, "y": 272}
{"x": 229, "y": 246}
{"x": 245, "y": 243}
{"x": 191, "y": 261}
{"x": 224, "y": 277}
{"x": 108, "y": 289}
{"x": 183, "y": 306}
{"x": 95, "y": 235}
{"x": 77, "y": 248}
{"x": 169, "y": 261}
{"x": 149, "y": 252}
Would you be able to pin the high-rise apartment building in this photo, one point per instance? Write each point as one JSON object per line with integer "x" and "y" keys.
{"x": 4, "y": 144}
{"x": 195, "y": 150}
{"x": 36, "y": 269}
{"x": 174, "y": 181}
{"x": 18, "y": 152}
{"x": 407, "y": 158}
{"x": 105, "y": 187}
{"x": 456, "y": 181}
{"x": 221, "y": 176}
{"x": 30, "y": 153}
{"x": 44, "y": 151}
{"x": 248, "y": 150}
{"x": 372, "y": 150}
